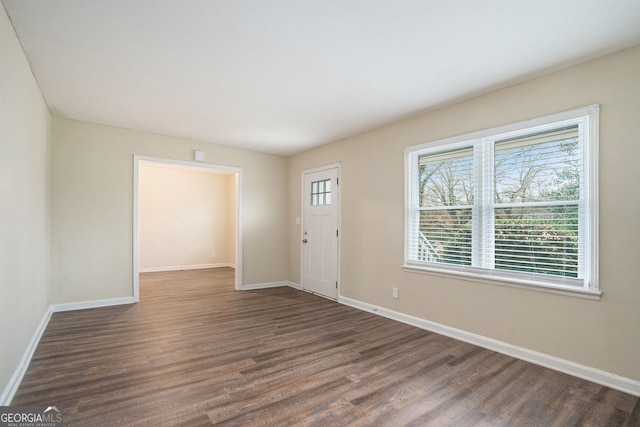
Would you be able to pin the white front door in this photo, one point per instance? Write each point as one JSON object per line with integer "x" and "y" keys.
{"x": 320, "y": 232}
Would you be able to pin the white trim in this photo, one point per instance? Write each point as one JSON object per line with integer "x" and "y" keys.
{"x": 592, "y": 154}
{"x": 583, "y": 117}
{"x": 136, "y": 229}
{"x": 294, "y": 285}
{"x": 185, "y": 267}
{"x": 467, "y": 138}
{"x": 338, "y": 166}
{"x": 82, "y": 305}
{"x": 12, "y": 387}
{"x": 608, "y": 379}
{"x": 239, "y": 226}
{"x": 137, "y": 158}
{"x": 264, "y": 285}
{"x": 323, "y": 168}
{"x": 506, "y": 281}
{"x": 588, "y": 373}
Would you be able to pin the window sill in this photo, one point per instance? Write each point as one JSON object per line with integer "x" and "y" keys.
{"x": 509, "y": 282}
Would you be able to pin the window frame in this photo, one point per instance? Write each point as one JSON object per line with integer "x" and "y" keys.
{"x": 588, "y": 118}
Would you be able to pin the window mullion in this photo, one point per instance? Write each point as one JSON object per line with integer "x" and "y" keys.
{"x": 583, "y": 217}
{"x": 483, "y": 218}
{"x": 527, "y": 221}
{"x": 476, "y": 223}
{"x": 414, "y": 211}
{"x": 490, "y": 222}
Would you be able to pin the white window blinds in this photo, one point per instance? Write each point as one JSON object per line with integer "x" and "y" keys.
{"x": 513, "y": 204}
{"x": 446, "y": 201}
{"x": 536, "y": 210}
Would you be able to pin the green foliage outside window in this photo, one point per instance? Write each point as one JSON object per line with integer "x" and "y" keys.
{"x": 530, "y": 235}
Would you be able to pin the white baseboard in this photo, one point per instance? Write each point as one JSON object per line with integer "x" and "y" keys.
{"x": 12, "y": 387}
{"x": 294, "y": 285}
{"x": 588, "y": 373}
{"x": 185, "y": 267}
{"x": 271, "y": 285}
{"x": 598, "y": 376}
{"x": 263, "y": 285}
{"x": 10, "y": 390}
{"x": 81, "y": 305}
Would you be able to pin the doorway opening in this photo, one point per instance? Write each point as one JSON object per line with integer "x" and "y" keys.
{"x": 186, "y": 217}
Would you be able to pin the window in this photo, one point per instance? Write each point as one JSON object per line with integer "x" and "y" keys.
{"x": 321, "y": 192}
{"x": 515, "y": 204}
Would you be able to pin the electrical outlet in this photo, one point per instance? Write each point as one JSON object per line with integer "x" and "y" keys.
{"x": 395, "y": 293}
{"x": 213, "y": 254}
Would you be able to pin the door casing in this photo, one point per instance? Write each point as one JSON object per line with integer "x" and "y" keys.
{"x": 136, "y": 213}
{"x": 338, "y": 224}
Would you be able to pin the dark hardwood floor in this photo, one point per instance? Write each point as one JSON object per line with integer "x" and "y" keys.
{"x": 195, "y": 351}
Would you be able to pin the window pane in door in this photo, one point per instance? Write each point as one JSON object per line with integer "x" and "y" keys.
{"x": 321, "y": 192}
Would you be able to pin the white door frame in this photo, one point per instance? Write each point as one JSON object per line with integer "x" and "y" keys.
{"x": 337, "y": 165}
{"x": 136, "y": 213}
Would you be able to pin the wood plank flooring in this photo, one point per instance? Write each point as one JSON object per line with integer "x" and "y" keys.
{"x": 195, "y": 351}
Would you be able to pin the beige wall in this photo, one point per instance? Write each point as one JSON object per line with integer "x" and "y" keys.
{"x": 25, "y": 128}
{"x": 92, "y": 207}
{"x": 602, "y": 334}
{"x": 185, "y": 218}
{"x": 66, "y": 213}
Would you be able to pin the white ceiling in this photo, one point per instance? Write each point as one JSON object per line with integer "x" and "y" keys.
{"x": 281, "y": 76}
